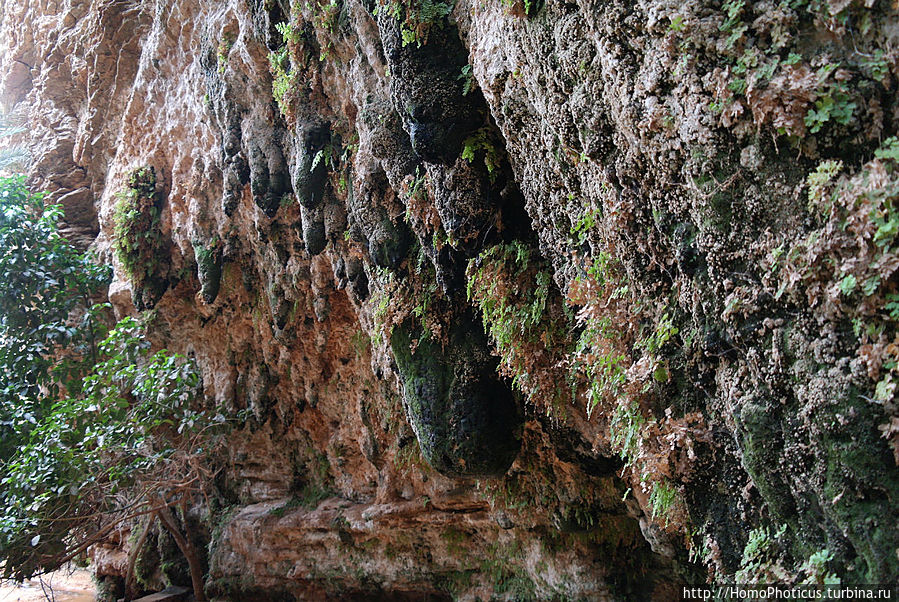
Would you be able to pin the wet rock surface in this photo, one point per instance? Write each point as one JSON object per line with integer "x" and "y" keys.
{"x": 465, "y": 418}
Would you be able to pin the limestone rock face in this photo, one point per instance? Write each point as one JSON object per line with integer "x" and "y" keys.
{"x": 515, "y": 301}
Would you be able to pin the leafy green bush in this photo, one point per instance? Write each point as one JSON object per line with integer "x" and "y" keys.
{"x": 95, "y": 429}
{"x": 126, "y": 433}
{"x": 44, "y": 348}
{"x": 46, "y": 345}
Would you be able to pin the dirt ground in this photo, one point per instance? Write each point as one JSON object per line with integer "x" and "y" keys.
{"x": 65, "y": 585}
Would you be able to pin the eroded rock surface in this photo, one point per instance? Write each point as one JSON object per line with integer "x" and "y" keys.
{"x": 710, "y": 186}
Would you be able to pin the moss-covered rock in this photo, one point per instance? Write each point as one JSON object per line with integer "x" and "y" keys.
{"x": 314, "y": 235}
{"x": 268, "y": 175}
{"x": 824, "y": 472}
{"x": 309, "y": 170}
{"x": 466, "y": 420}
{"x": 437, "y": 111}
{"x": 138, "y": 240}
{"x": 209, "y": 268}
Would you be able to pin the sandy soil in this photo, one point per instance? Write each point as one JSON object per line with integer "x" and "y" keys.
{"x": 64, "y": 585}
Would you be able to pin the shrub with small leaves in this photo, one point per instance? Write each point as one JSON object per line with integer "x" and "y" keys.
{"x": 46, "y": 343}
{"x": 94, "y": 426}
{"x": 133, "y": 435}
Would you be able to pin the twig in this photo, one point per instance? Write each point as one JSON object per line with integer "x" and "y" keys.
{"x": 47, "y": 590}
{"x": 133, "y": 553}
{"x": 97, "y": 536}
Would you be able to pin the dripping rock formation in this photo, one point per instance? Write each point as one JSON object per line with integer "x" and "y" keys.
{"x": 516, "y": 300}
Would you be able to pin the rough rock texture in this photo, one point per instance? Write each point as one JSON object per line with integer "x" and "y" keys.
{"x": 325, "y": 186}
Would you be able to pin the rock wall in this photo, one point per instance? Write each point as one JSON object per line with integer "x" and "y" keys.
{"x": 412, "y": 243}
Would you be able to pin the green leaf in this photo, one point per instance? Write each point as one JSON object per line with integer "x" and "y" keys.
{"x": 848, "y": 284}
{"x": 889, "y": 150}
